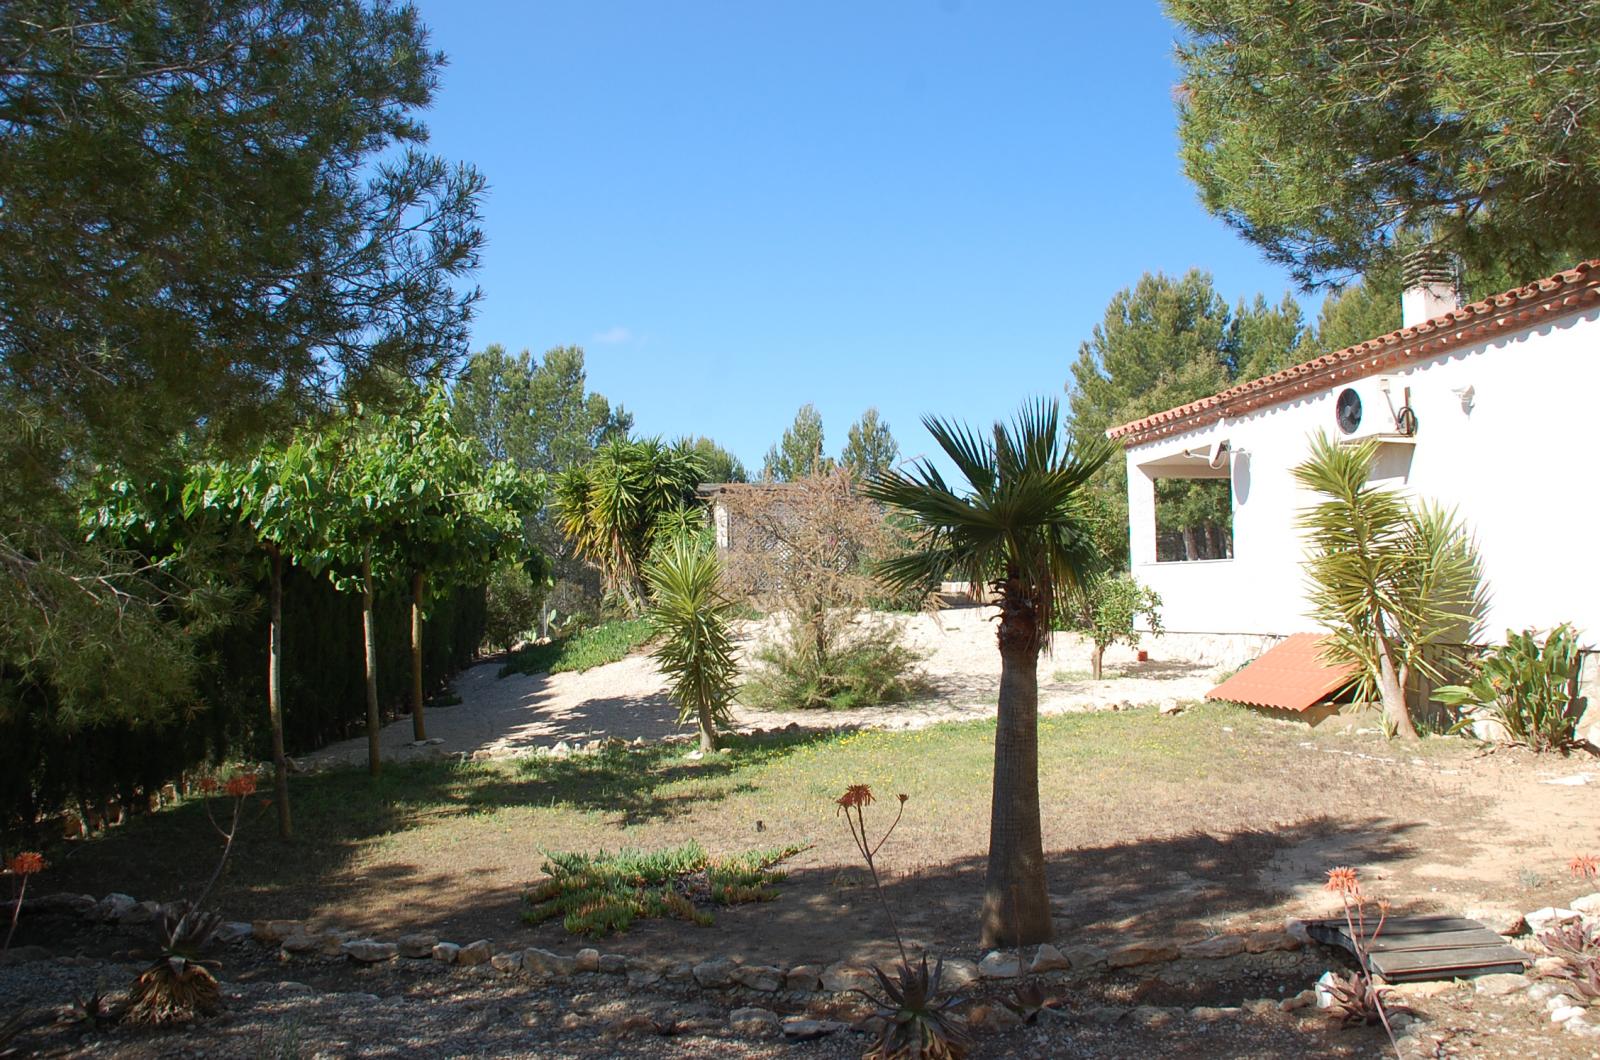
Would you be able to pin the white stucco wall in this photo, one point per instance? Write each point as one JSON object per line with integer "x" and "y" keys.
{"x": 1520, "y": 467}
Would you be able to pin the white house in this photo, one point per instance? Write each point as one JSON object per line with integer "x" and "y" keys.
{"x": 1491, "y": 408}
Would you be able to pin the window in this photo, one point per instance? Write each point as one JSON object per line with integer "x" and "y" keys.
{"x": 1194, "y": 518}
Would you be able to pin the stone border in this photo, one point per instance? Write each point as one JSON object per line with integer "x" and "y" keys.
{"x": 801, "y": 983}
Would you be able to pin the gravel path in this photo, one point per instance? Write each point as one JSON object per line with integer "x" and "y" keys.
{"x": 507, "y": 717}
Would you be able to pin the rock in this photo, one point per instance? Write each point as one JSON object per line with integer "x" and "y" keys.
{"x": 1543, "y": 992}
{"x": 1580, "y": 1025}
{"x": 1432, "y": 988}
{"x": 1208, "y": 1014}
{"x": 417, "y": 945}
{"x": 1048, "y": 959}
{"x": 1268, "y": 941}
{"x": 506, "y": 963}
{"x": 1214, "y": 947}
{"x": 715, "y": 973}
{"x": 475, "y": 953}
{"x": 1104, "y": 1014}
{"x": 446, "y": 952}
{"x": 806, "y": 978}
{"x": 23, "y": 955}
{"x": 1548, "y": 965}
{"x": 994, "y": 1017}
{"x": 1084, "y": 958}
{"x": 1548, "y": 917}
{"x": 1150, "y": 1016}
{"x": 1296, "y": 928}
{"x": 958, "y": 972}
{"x": 839, "y": 977}
{"x": 1296, "y": 1002}
{"x": 1588, "y": 905}
{"x": 1148, "y": 951}
{"x": 307, "y": 942}
{"x": 369, "y": 951}
{"x": 640, "y": 975}
{"x": 1500, "y": 919}
{"x": 1500, "y": 985}
{"x": 114, "y": 907}
{"x": 273, "y": 932}
{"x": 1170, "y": 707}
{"x": 141, "y": 913}
{"x": 763, "y": 977}
{"x": 550, "y": 965}
{"x": 587, "y": 961}
{"x": 799, "y": 1029}
{"x": 999, "y": 965}
{"x": 613, "y": 964}
{"x": 1564, "y": 1013}
{"x": 1260, "y": 1006}
{"x": 755, "y": 1021}
{"x": 678, "y": 972}
{"x": 233, "y": 931}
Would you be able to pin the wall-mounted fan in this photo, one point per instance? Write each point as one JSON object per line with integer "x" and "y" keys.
{"x": 1347, "y": 411}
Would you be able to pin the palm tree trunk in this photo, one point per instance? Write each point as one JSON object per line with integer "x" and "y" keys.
{"x": 369, "y": 635}
{"x": 1016, "y": 905}
{"x": 1097, "y": 662}
{"x": 419, "y": 728}
{"x": 280, "y": 763}
{"x": 1393, "y": 693}
{"x": 708, "y": 729}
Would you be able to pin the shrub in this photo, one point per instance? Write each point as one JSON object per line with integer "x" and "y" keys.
{"x": 696, "y": 651}
{"x": 1526, "y": 686}
{"x": 1107, "y": 611}
{"x": 866, "y": 667}
{"x": 598, "y": 894}
{"x": 511, "y": 606}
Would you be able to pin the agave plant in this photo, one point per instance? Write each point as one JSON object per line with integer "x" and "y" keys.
{"x": 10, "y": 1030}
{"x": 179, "y": 985}
{"x": 1354, "y": 999}
{"x": 1577, "y": 946}
{"x": 918, "y": 1023}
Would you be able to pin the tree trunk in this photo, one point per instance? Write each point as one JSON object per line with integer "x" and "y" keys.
{"x": 419, "y": 583}
{"x": 1097, "y": 662}
{"x": 369, "y": 634}
{"x": 1016, "y": 905}
{"x": 1191, "y": 550}
{"x": 1393, "y": 693}
{"x": 280, "y": 763}
{"x": 708, "y": 729}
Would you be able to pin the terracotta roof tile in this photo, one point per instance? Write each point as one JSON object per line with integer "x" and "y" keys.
{"x": 1290, "y": 676}
{"x": 1567, "y": 291}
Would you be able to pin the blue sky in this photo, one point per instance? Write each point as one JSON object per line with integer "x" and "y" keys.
{"x": 738, "y": 207}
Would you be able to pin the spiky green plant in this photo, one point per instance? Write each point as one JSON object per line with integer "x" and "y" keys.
{"x": 918, "y": 1023}
{"x": 1577, "y": 947}
{"x": 693, "y": 617}
{"x": 1021, "y": 524}
{"x": 179, "y": 985}
{"x": 1526, "y": 684}
{"x": 1388, "y": 579}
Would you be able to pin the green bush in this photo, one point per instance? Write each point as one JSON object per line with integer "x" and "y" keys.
{"x": 512, "y": 601}
{"x": 584, "y": 650}
{"x": 865, "y": 667}
{"x": 1526, "y": 685}
{"x": 598, "y": 894}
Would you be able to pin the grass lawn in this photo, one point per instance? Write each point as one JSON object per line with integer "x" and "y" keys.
{"x": 584, "y": 650}
{"x": 1153, "y": 824}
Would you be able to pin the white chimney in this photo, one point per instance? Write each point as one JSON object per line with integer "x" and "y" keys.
{"x": 1430, "y": 287}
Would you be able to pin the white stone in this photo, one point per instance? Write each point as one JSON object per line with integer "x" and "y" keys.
{"x": 1500, "y": 919}
{"x": 417, "y": 945}
{"x": 1564, "y": 1013}
{"x": 542, "y": 962}
{"x": 587, "y": 960}
{"x": 141, "y": 913}
{"x": 800, "y": 1029}
{"x": 369, "y": 951}
{"x": 1588, "y": 905}
{"x": 446, "y": 952}
{"x": 999, "y": 965}
{"x": 714, "y": 973}
{"x": 840, "y": 977}
{"x": 475, "y": 953}
{"x": 1048, "y": 959}
{"x": 115, "y": 906}
{"x": 805, "y": 978}
{"x": 1295, "y": 928}
{"x": 1500, "y": 985}
{"x": 763, "y": 977}
{"x": 1084, "y": 957}
{"x": 506, "y": 962}
{"x": 1549, "y": 917}
{"x": 233, "y": 931}
{"x": 958, "y": 972}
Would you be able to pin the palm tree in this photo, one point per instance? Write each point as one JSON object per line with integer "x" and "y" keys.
{"x": 1022, "y": 526}
{"x": 693, "y": 617}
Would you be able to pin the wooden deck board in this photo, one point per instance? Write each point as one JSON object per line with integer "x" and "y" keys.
{"x": 1436, "y": 947}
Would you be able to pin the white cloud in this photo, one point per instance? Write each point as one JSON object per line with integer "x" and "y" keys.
{"x": 612, "y": 336}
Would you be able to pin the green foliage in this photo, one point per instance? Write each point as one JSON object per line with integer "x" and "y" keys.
{"x": 1527, "y": 686}
{"x": 869, "y": 448}
{"x": 868, "y": 668}
{"x": 1387, "y": 579}
{"x": 610, "y": 507}
{"x": 693, "y": 618}
{"x": 1109, "y": 610}
{"x": 512, "y": 602}
{"x": 599, "y": 894}
{"x": 916, "y": 1017}
{"x": 1023, "y": 521}
{"x": 583, "y": 650}
{"x": 1361, "y": 311}
{"x": 799, "y": 453}
{"x": 1323, "y": 132}
{"x": 720, "y": 465}
{"x": 541, "y": 415}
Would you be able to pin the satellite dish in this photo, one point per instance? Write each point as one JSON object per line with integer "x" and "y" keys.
{"x": 1347, "y": 410}
{"x": 1217, "y": 456}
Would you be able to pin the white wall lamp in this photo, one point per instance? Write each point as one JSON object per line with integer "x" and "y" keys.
{"x": 1465, "y": 394}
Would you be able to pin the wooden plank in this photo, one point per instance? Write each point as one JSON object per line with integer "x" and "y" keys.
{"x": 1407, "y": 925}
{"x": 1444, "y": 960}
{"x": 1442, "y": 940}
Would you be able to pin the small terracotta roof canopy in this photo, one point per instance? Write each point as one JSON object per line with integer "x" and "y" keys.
{"x": 1565, "y": 292}
{"x": 1290, "y": 676}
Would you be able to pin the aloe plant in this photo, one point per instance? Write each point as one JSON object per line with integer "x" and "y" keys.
{"x": 1525, "y": 684}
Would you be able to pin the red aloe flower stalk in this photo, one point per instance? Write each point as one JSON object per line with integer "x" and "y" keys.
{"x": 854, "y": 801}
{"x": 22, "y": 866}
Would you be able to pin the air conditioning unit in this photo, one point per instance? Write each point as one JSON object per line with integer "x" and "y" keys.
{"x": 1374, "y": 408}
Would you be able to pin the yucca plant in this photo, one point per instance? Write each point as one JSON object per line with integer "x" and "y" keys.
{"x": 179, "y": 985}
{"x": 696, "y": 651}
{"x": 1388, "y": 579}
{"x": 1526, "y": 684}
{"x": 918, "y": 1023}
{"x": 1577, "y": 946}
